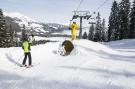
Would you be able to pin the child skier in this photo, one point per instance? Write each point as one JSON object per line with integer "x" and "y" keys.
{"x": 26, "y": 48}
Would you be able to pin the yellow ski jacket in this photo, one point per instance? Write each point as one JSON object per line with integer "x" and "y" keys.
{"x": 74, "y": 27}
{"x": 26, "y": 46}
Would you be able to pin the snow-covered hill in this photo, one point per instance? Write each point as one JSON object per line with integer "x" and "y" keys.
{"x": 57, "y": 26}
{"x": 91, "y": 65}
{"x": 33, "y": 25}
{"x": 19, "y": 16}
{"x": 24, "y": 20}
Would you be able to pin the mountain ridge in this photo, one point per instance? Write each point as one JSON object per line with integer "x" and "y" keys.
{"x": 18, "y": 20}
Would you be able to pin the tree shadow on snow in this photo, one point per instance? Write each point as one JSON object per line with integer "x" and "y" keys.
{"x": 14, "y": 81}
{"x": 106, "y": 55}
{"x": 103, "y": 72}
{"x": 9, "y": 57}
{"x": 126, "y": 50}
{"x": 116, "y": 57}
{"x": 127, "y": 44}
{"x": 55, "y": 52}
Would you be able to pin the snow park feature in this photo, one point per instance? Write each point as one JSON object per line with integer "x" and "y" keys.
{"x": 90, "y": 65}
{"x": 66, "y": 48}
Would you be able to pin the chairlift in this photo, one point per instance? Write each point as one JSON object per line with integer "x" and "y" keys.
{"x": 75, "y": 17}
{"x": 92, "y": 22}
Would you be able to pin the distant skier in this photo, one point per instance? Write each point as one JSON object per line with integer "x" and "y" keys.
{"x": 27, "y": 53}
{"x": 74, "y": 27}
{"x": 32, "y": 40}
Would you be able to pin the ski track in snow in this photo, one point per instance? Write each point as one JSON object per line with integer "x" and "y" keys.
{"x": 91, "y": 65}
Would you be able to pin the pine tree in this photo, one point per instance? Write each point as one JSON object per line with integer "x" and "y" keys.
{"x": 24, "y": 35}
{"x": 4, "y": 32}
{"x": 103, "y": 34}
{"x": 98, "y": 28}
{"x": 132, "y": 21}
{"x": 8, "y": 39}
{"x": 123, "y": 15}
{"x": 113, "y": 28}
{"x": 85, "y": 36}
{"x": 91, "y": 33}
{"x": 12, "y": 35}
{"x": 2, "y": 28}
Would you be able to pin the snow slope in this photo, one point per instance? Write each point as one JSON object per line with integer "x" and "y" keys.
{"x": 91, "y": 65}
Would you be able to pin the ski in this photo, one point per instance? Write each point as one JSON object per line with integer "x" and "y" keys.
{"x": 26, "y": 67}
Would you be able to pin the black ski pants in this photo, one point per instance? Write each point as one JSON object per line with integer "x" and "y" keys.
{"x": 29, "y": 56}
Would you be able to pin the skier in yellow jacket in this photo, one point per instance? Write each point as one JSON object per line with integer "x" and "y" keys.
{"x": 26, "y": 48}
{"x": 74, "y": 27}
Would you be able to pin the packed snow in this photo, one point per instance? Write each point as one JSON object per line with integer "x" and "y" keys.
{"x": 91, "y": 65}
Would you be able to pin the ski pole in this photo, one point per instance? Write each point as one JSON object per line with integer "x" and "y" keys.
{"x": 20, "y": 58}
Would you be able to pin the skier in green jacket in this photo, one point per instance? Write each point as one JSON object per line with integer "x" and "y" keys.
{"x": 27, "y": 53}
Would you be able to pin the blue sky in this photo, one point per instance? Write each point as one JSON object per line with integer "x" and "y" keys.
{"x": 54, "y": 11}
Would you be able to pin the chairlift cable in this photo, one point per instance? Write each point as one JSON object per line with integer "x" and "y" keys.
{"x": 101, "y": 6}
{"x": 81, "y": 1}
{"x": 79, "y": 5}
